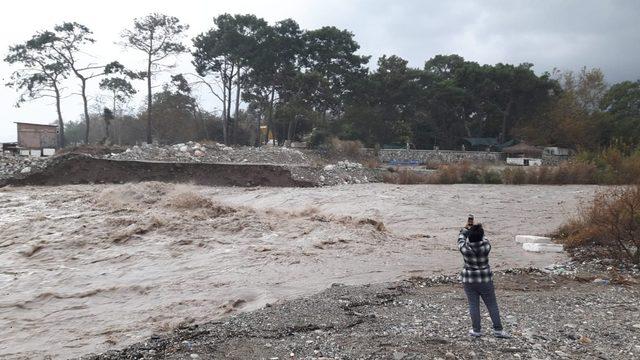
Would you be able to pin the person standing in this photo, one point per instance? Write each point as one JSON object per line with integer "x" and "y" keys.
{"x": 477, "y": 278}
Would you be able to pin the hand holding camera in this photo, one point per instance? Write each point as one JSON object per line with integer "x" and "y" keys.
{"x": 469, "y": 222}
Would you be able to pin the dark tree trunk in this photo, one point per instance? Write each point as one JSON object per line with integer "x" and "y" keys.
{"x": 107, "y": 136}
{"x": 229, "y": 86}
{"x": 225, "y": 120}
{"x": 291, "y": 130}
{"x": 257, "y": 143}
{"x": 237, "y": 117}
{"x": 270, "y": 119}
{"x": 149, "y": 101}
{"x": 107, "y": 122}
{"x": 85, "y": 107}
{"x": 204, "y": 125}
{"x": 505, "y": 120}
{"x": 61, "y": 140}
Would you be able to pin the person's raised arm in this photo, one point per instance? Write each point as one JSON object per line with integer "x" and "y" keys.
{"x": 462, "y": 237}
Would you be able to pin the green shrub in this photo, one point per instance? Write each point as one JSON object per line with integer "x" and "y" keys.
{"x": 471, "y": 176}
{"x": 491, "y": 177}
{"x": 319, "y": 137}
{"x": 514, "y": 175}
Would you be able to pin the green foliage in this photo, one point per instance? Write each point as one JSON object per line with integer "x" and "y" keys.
{"x": 107, "y": 114}
{"x": 319, "y": 137}
{"x": 228, "y": 51}
{"x": 446, "y": 101}
{"x": 41, "y": 74}
{"x": 158, "y": 36}
{"x": 121, "y": 89}
{"x": 574, "y": 118}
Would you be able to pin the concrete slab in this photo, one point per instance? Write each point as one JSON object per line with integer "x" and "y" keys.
{"x": 534, "y": 247}
{"x": 521, "y": 239}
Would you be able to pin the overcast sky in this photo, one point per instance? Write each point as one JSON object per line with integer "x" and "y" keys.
{"x": 550, "y": 34}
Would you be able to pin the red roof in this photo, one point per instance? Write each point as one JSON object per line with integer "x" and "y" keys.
{"x": 523, "y": 148}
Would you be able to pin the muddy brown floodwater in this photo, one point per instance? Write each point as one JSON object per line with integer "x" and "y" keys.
{"x": 89, "y": 268}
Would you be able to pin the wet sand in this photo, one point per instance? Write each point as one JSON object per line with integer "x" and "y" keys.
{"x": 89, "y": 268}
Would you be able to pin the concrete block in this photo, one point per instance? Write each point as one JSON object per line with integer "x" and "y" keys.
{"x": 521, "y": 239}
{"x": 24, "y": 152}
{"x": 35, "y": 153}
{"x": 539, "y": 248}
{"x": 48, "y": 152}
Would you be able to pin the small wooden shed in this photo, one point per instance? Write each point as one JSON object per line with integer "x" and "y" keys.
{"x": 37, "y": 139}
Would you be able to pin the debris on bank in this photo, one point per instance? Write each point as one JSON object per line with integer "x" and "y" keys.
{"x": 307, "y": 166}
{"x": 11, "y": 165}
{"x": 213, "y": 153}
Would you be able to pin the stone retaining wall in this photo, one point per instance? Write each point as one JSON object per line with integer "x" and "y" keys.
{"x": 553, "y": 160}
{"x": 437, "y": 156}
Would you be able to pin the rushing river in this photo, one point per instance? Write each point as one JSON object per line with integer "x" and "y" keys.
{"x": 89, "y": 268}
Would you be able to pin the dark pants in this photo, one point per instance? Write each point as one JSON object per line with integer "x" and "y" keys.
{"x": 488, "y": 294}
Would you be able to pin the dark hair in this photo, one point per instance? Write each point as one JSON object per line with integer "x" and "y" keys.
{"x": 476, "y": 233}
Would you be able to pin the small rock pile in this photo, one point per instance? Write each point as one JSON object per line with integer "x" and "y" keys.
{"x": 214, "y": 153}
{"x": 343, "y": 165}
{"x": 341, "y": 173}
{"x": 14, "y": 165}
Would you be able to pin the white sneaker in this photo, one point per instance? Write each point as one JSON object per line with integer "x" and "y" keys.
{"x": 501, "y": 334}
{"x": 473, "y": 333}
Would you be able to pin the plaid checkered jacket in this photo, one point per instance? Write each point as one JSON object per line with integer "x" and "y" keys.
{"x": 476, "y": 259}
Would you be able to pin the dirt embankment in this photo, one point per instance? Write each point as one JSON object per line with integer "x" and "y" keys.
{"x": 549, "y": 317}
{"x": 85, "y": 169}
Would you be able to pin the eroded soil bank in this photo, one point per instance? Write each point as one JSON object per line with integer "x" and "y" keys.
{"x": 88, "y": 268}
{"x": 85, "y": 169}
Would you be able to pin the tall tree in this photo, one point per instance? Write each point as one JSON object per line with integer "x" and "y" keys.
{"x": 69, "y": 42}
{"x": 571, "y": 119}
{"x": 331, "y": 53}
{"x": 505, "y": 93}
{"x": 588, "y": 87}
{"x": 120, "y": 90}
{"x": 42, "y": 74}
{"x": 386, "y": 104}
{"x": 225, "y": 51}
{"x": 273, "y": 70}
{"x": 622, "y": 102}
{"x": 159, "y": 36}
{"x": 176, "y": 113}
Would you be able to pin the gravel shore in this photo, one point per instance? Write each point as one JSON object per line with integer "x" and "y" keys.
{"x": 549, "y": 317}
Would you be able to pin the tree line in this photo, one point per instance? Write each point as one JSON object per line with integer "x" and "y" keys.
{"x": 300, "y": 83}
